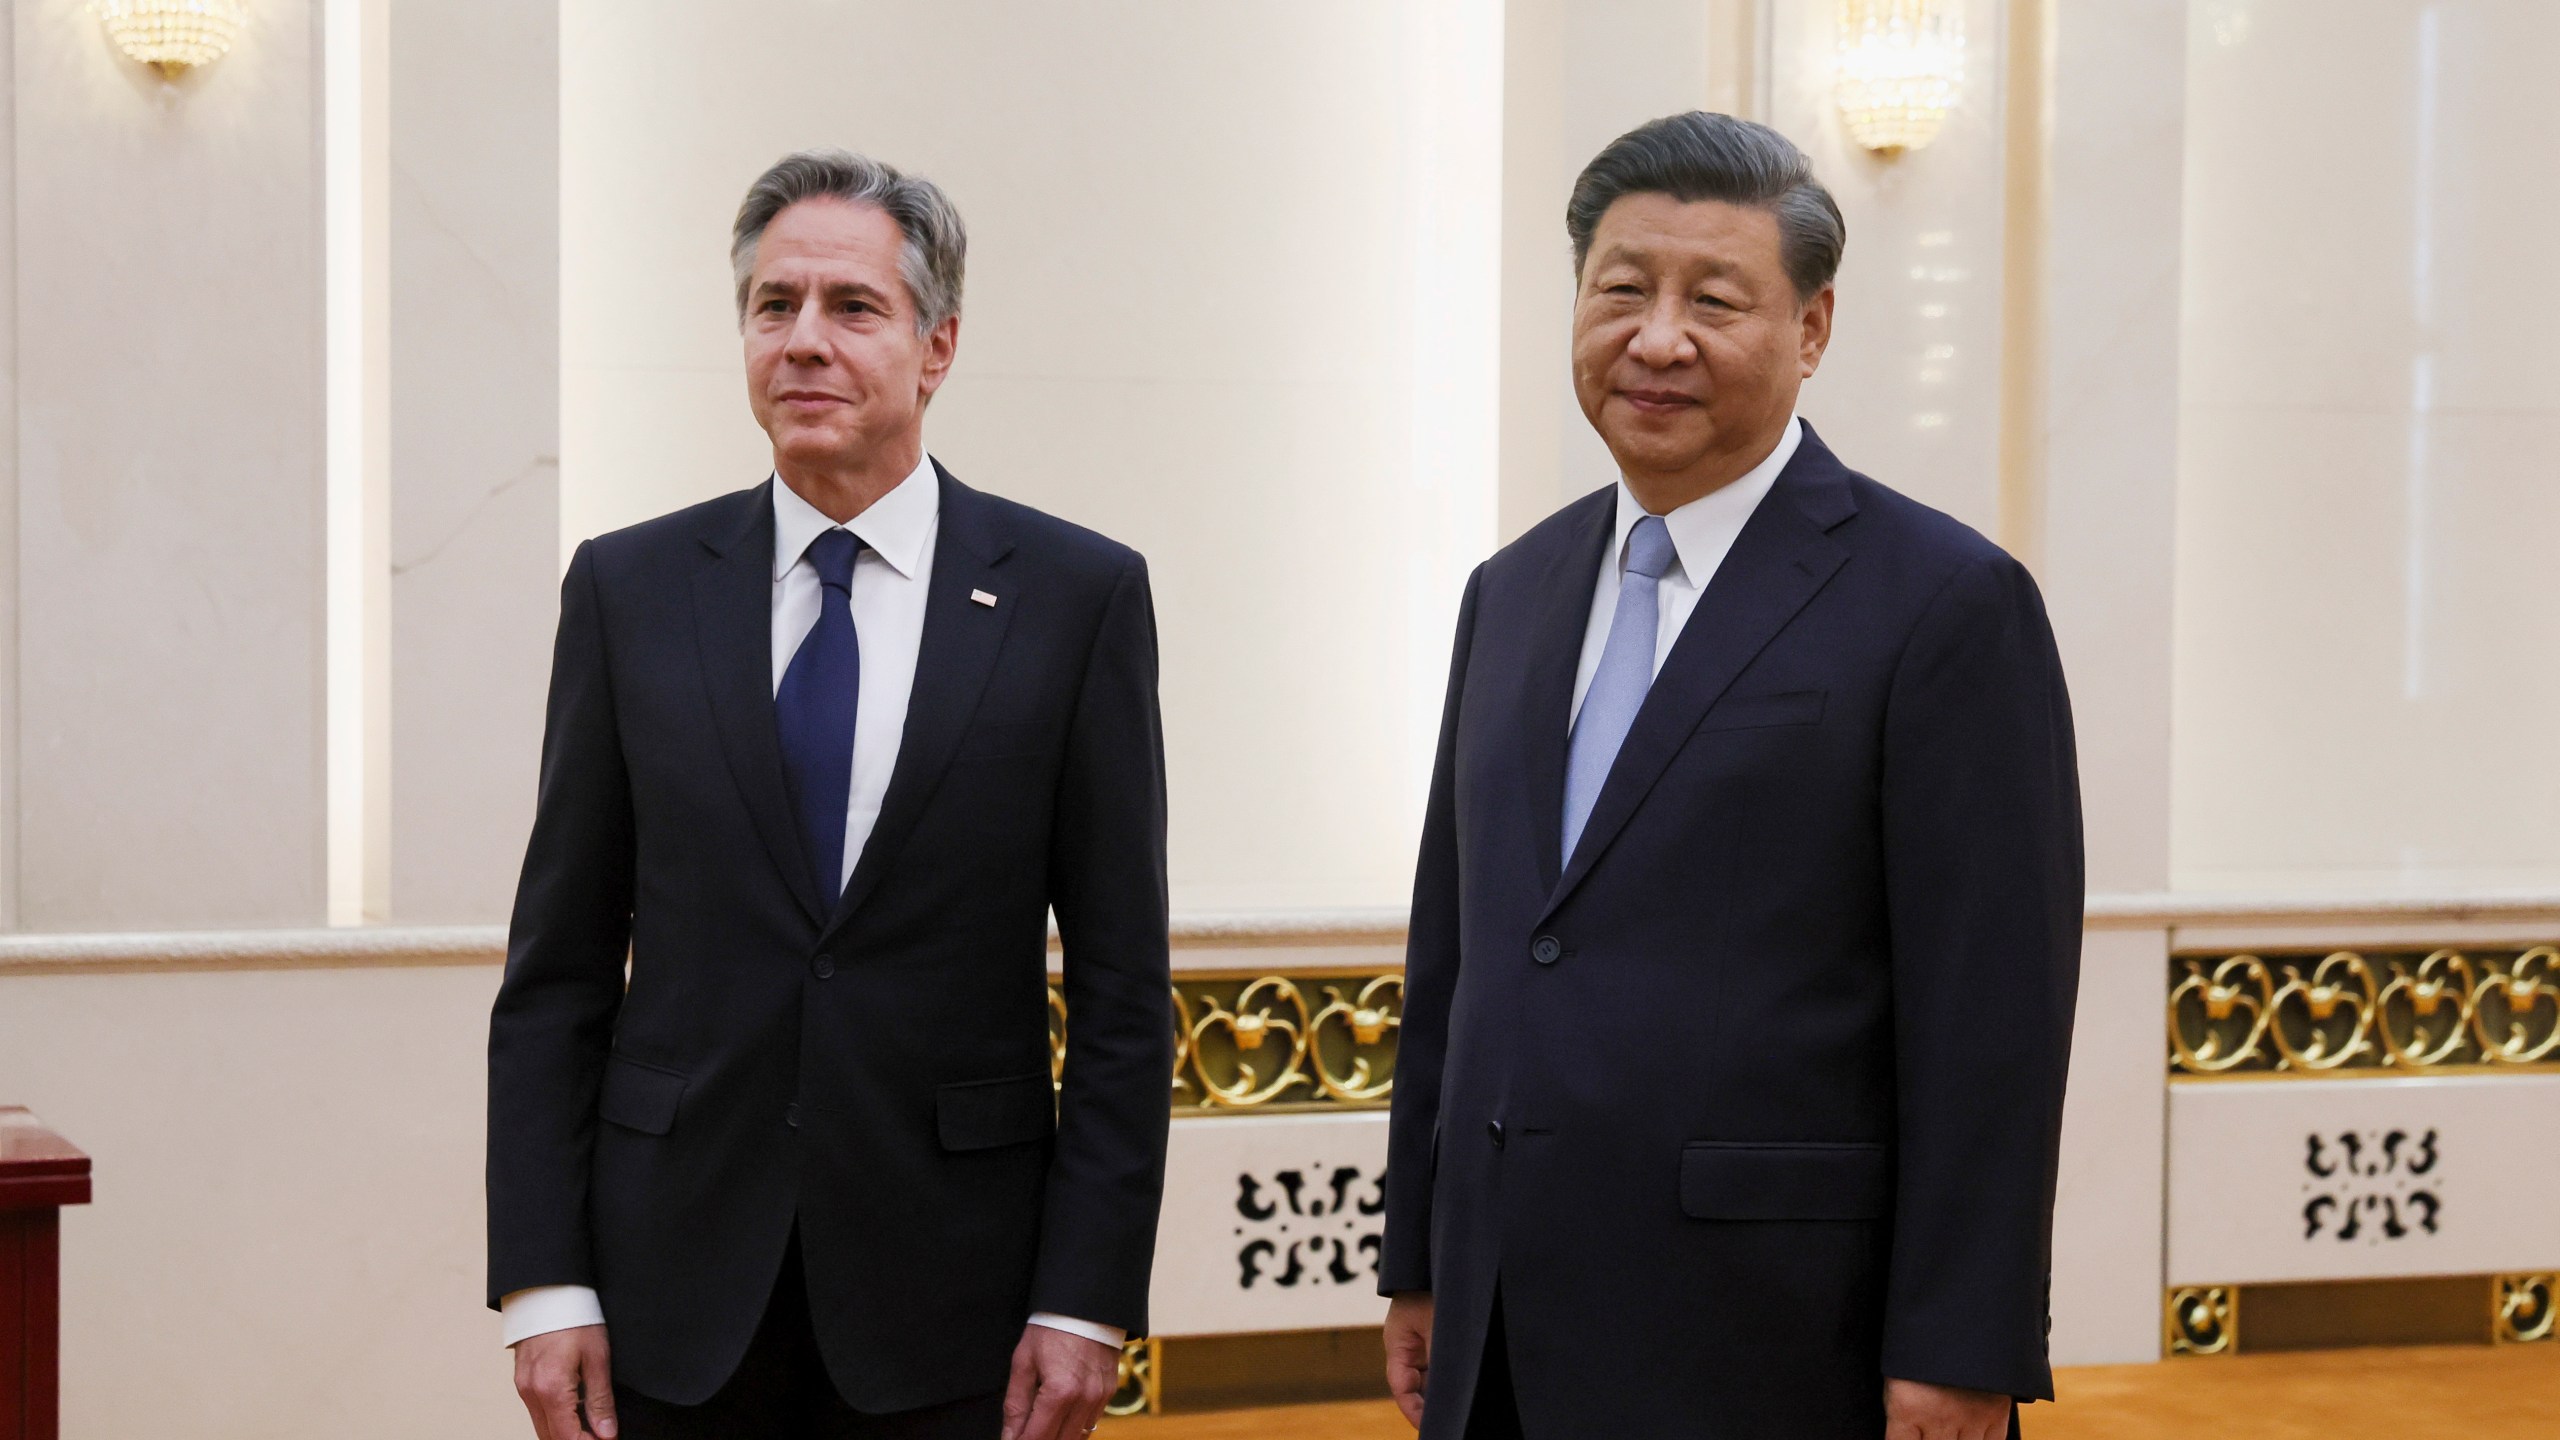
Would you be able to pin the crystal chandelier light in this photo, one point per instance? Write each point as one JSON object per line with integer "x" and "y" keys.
{"x": 1901, "y": 70}
{"x": 172, "y": 35}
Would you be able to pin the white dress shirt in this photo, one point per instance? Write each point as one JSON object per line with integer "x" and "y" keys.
{"x": 1702, "y": 533}
{"x": 891, "y": 578}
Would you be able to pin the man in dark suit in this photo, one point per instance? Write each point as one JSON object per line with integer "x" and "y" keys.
{"x": 1746, "y": 929}
{"x": 822, "y": 757}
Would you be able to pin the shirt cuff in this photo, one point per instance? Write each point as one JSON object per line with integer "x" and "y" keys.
{"x": 1111, "y": 1335}
{"x": 524, "y": 1314}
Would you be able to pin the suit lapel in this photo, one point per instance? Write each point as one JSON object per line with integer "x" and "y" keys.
{"x": 953, "y": 662}
{"x": 1781, "y": 560}
{"x": 733, "y": 630}
{"x": 1555, "y": 651}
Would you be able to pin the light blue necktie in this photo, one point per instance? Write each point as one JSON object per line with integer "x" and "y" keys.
{"x": 1625, "y": 674}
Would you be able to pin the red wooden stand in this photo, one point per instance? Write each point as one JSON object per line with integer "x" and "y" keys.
{"x": 40, "y": 1173}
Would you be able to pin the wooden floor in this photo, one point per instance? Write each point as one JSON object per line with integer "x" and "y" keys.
{"x": 2472, "y": 1392}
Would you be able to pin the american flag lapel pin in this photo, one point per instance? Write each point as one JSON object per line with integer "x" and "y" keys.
{"x": 982, "y": 597}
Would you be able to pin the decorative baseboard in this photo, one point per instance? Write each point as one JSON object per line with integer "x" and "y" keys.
{"x": 2218, "y": 1320}
{"x": 1141, "y": 1387}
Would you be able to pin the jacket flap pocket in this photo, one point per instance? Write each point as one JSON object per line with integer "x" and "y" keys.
{"x": 1784, "y": 1180}
{"x": 982, "y": 1114}
{"x": 1747, "y": 712}
{"x": 643, "y": 1097}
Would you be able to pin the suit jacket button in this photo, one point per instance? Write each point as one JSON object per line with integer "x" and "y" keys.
{"x": 1494, "y": 1129}
{"x": 824, "y": 967}
{"x": 791, "y": 1115}
{"x": 1546, "y": 950}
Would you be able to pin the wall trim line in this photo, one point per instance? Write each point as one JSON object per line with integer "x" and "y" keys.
{"x": 372, "y": 946}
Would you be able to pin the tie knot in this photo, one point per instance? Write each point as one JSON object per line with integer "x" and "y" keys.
{"x": 832, "y": 554}
{"x": 1649, "y": 549}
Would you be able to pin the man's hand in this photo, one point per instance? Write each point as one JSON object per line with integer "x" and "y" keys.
{"x": 1060, "y": 1384}
{"x": 565, "y": 1377}
{"x": 1913, "y": 1411}
{"x": 1409, "y": 1352}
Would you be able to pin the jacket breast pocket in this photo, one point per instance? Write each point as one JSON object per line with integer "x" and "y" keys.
{"x": 983, "y": 1114}
{"x": 1785, "y": 1180}
{"x": 1753, "y": 712}
{"x": 640, "y": 1096}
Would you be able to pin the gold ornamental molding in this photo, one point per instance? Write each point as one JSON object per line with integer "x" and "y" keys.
{"x": 2343, "y": 1012}
{"x": 2520, "y": 1309}
{"x": 1264, "y": 1043}
{"x": 2201, "y": 1320}
{"x": 1139, "y": 1390}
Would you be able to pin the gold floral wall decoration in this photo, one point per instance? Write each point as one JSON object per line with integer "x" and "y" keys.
{"x": 1248, "y": 1042}
{"x": 2347, "y": 1011}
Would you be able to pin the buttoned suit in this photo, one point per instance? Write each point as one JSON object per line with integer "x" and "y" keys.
{"x": 1754, "y": 1098}
{"x": 874, "y": 1072}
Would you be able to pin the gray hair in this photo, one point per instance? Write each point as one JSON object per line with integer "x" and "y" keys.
{"x": 1705, "y": 156}
{"x": 935, "y": 246}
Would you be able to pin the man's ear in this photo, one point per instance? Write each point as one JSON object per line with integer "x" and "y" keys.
{"x": 941, "y": 345}
{"x": 1816, "y": 336}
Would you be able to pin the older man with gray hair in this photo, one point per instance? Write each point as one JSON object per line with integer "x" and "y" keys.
{"x": 776, "y": 1146}
{"x": 1746, "y": 930}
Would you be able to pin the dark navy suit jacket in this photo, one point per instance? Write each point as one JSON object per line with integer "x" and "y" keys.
{"x": 878, "y": 1072}
{"x": 1754, "y": 1099}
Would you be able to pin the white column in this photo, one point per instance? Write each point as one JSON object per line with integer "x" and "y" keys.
{"x": 2103, "y": 441}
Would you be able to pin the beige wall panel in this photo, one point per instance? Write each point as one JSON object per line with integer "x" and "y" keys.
{"x": 170, "y": 479}
{"x": 1231, "y": 299}
{"x": 475, "y": 441}
{"x": 9, "y": 566}
{"x": 286, "y": 1239}
{"x": 2371, "y": 420}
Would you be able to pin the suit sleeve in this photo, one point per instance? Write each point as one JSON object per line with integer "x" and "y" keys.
{"x": 1430, "y": 981}
{"x": 552, "y": 1025}
{"x": 1983, "y": 879}
{"x": 1107, "y": 887}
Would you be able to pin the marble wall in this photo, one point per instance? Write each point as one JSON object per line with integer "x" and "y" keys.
{"x": 2370, "y": 429}
{"x": 170, "y": 479}
{"x": 1231, "y": 299}
{"x": 475, "y": 440}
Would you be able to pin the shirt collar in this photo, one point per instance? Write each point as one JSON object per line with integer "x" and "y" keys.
{"x": 1705, "y": 528}
{"x": 897, "y": 527}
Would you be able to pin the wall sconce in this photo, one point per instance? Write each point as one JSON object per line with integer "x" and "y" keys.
{"x": 172, "y": 35}
{"x": 1901, "y": 70}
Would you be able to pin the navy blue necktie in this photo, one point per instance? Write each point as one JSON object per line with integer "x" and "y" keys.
{"x": 814, "y": 710}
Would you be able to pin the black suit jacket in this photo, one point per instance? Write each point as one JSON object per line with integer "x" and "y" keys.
{"x": 1754, "y": 1099}
{"x": 880, "y": 1073}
